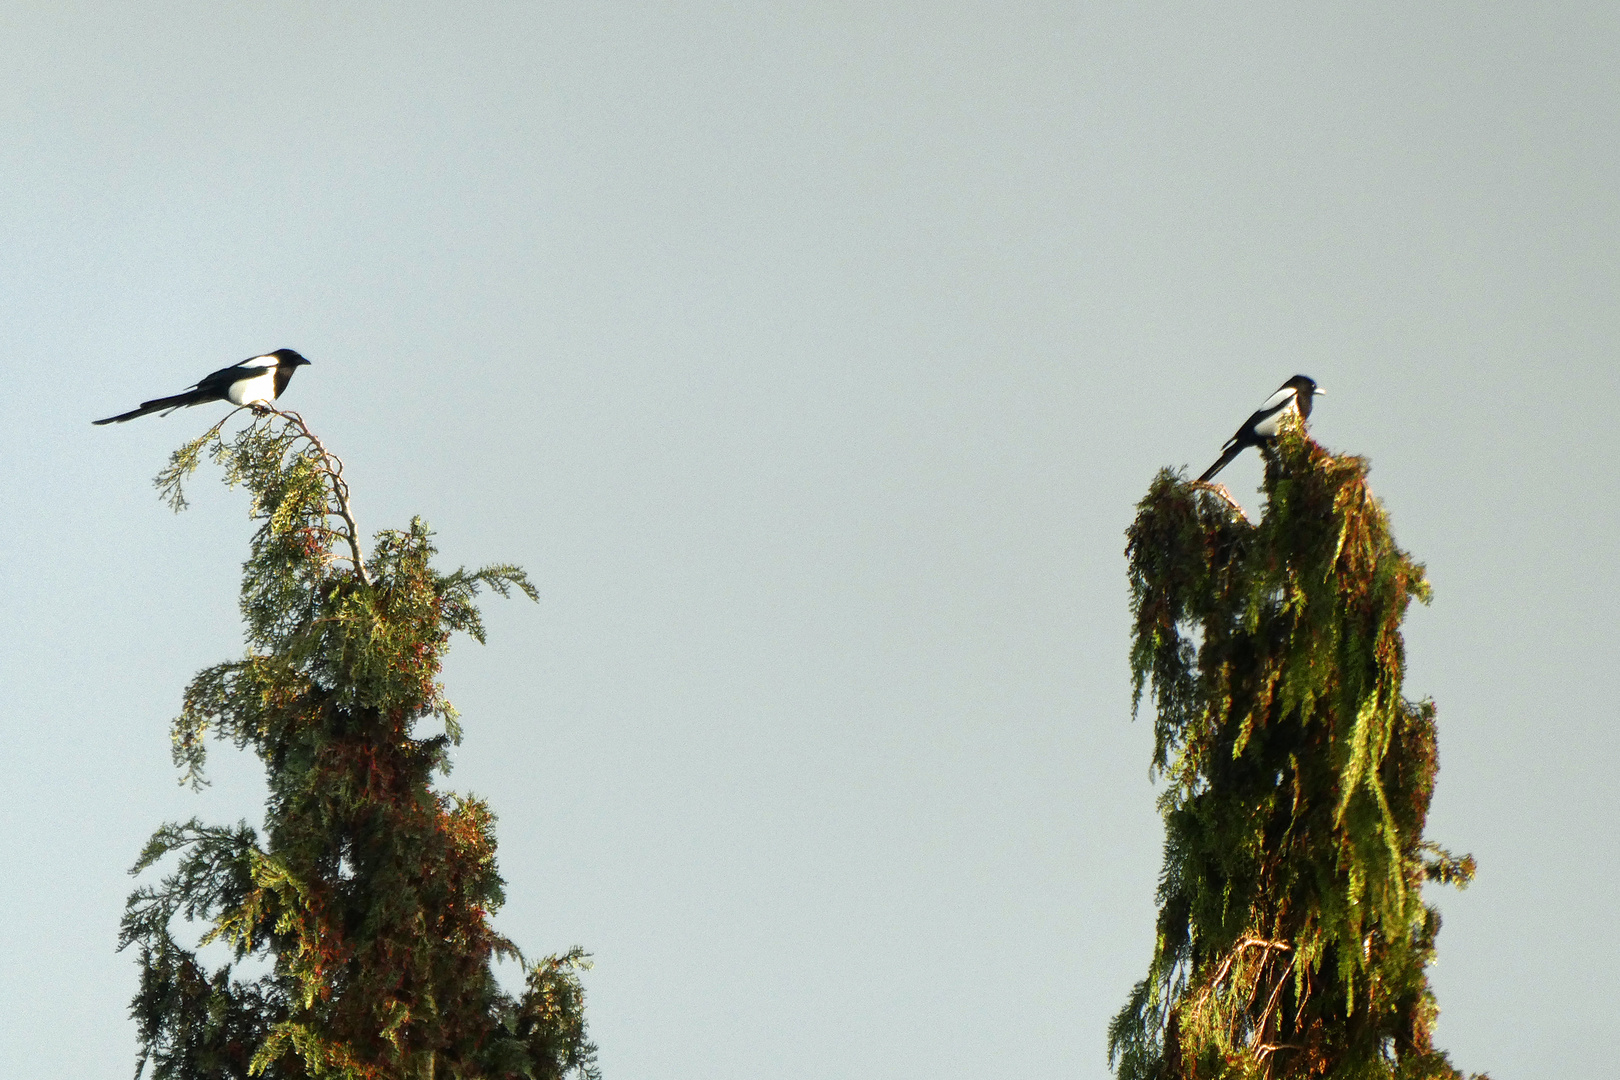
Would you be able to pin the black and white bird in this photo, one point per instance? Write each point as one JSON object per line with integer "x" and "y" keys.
{"x": 1292, "y": 396}
{"x": 257, "y": 381}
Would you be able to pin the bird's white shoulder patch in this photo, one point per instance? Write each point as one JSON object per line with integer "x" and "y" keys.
{"x": 1280, "y": 398}
{"x": 265, "y": 361}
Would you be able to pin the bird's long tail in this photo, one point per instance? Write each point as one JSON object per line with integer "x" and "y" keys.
{"x": 176, "y": 401}
{"x": 1226, "y": 459}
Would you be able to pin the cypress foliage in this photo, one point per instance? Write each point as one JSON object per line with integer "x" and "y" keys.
{"x": 364, "y": 908}
{"x": 1292, "y": 934}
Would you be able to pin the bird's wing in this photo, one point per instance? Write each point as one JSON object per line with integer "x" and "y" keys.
{"x": 1266, "y": 422}
{"x": 219, "y": 382}
{"x": 1261, "y": 424}
{"x": 1276, "y": 401}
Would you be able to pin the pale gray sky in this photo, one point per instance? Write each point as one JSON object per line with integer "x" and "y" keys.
{"x": 811, "y": 358}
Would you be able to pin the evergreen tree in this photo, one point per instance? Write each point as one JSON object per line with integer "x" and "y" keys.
{"x": 357, "y": 927}
{"x": 1292, "y": 933}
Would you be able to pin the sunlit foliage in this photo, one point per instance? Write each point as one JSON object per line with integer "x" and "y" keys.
{"x": 364, "y": 908}
{"x": 1292, "y": 934}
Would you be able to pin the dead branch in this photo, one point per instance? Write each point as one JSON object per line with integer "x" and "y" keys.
{"x": 332, "y": 466}
{"x": 1221, "y": 492}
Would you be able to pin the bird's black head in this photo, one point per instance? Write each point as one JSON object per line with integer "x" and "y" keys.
{"x": 288, "y": 358}
{"x": 1304, "y": 388}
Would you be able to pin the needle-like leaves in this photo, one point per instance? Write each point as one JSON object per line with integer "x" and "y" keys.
{"x": 366, "y": 903}
{"x": 1292, "y": 933}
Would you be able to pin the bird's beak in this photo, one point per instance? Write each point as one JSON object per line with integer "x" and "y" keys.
{"x": 1319, "y": 390}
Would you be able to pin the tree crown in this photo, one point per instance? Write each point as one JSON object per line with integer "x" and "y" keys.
{"x": 1292, "y": 934}
{"x": 370, "y": 892}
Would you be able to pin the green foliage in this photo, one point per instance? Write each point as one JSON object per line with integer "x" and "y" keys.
{"x": 1292, "y": 934}
{"x": 366, "y": 903}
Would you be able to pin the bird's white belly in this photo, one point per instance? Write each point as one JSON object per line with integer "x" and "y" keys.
{"x": 254, "y": 390}
{"x": 1267, "y": 428}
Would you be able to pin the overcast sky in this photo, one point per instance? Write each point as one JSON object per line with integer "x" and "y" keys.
{"x": 811, "y": 357}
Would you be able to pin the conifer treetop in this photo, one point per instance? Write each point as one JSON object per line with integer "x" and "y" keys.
{"x": 1292, "y": 933}
{"x": 369, "y": 894}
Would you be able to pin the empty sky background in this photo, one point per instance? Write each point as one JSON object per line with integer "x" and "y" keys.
{"x": 811, "y": 357}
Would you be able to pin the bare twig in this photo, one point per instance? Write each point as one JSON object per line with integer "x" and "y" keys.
{"x": 1276, "y": 995}
{"x": 332, "y": 466}
{"x": 1304, "y": 996}
{"x": 1238, "y": 950}
{"x": 1272, "y": 1048}
{"x": 1221, "y": 491}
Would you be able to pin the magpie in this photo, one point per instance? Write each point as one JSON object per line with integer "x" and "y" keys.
{"x": 1259, "y": 429}
{"x": 257, "y": 381}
